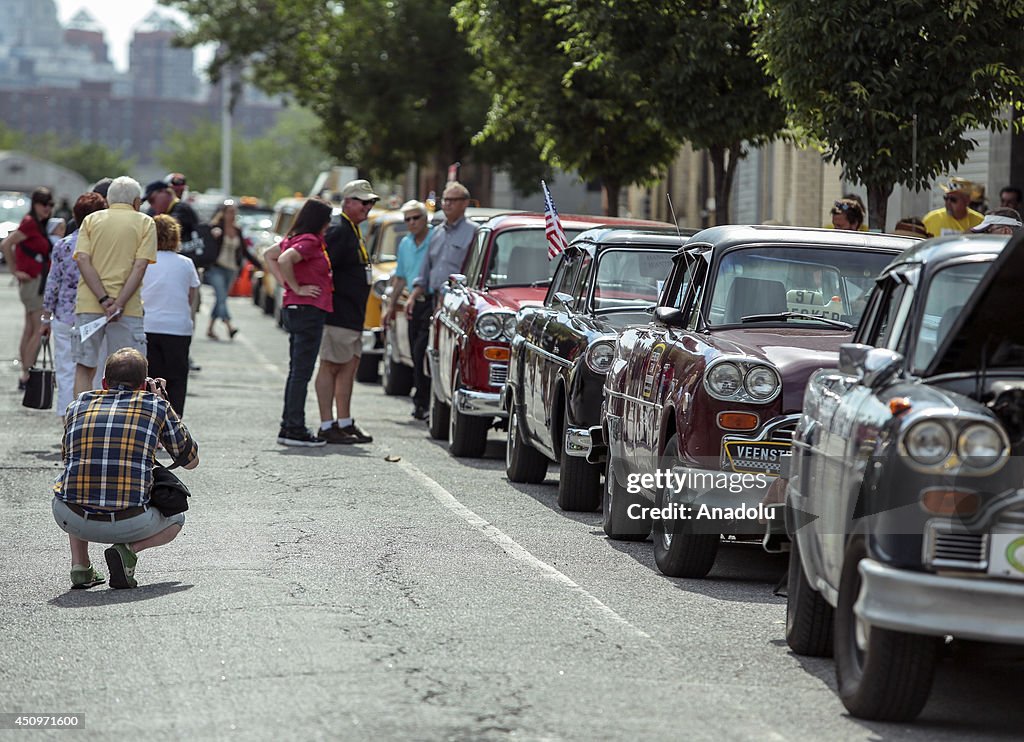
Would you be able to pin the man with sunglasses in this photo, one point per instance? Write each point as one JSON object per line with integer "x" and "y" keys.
{"x": 956, "y": 217}
{"x": 447, "y": 247}
{"x": 342, "y": 342}
{"x": 411, "y": 251}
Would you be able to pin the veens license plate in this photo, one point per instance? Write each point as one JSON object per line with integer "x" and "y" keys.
{"x": 1006, "y": 555}
{"x": 753, "y": 457}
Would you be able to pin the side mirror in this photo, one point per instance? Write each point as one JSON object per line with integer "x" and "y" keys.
{"x": 670, "y": 317}
{"x": 457, "y": 280}
{"x": 563, "y": 299}
{"x": 872, "y": 366}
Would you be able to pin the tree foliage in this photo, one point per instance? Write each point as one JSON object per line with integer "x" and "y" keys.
{"x": 391, "y": 82}
{"x": 855, "y": 75}
{"x": 581, "y": 117}
{"x": 90, "y": 160}
{"x": 693, "y": 61}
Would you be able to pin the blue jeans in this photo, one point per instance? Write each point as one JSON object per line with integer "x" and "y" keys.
{"x": 221, "y": 279}
{"x": 305, "y": 326}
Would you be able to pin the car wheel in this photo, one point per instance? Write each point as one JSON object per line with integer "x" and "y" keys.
{"x": 678, "y": 550}
{"x": 437, "y": 421}
{"x": 523, "y": 462}
{"x": 615, "y": 508}
{"x": 809, "y": 617}
{"x": 467, "y": 434}
{"x": 398, "y": 378}
{"x": 882, "y": 675}
{"x": 579, "y": 483}
{"x": 368, "y": 371}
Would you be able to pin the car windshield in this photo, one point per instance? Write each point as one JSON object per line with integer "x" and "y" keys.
{"x": 795, "y": 283}
{"x": 520, "y": 257}
{"x": 630, "y": 278}
{"x": 13, "y": 208}
{"x": 252, "y": 220}
{"x": 948, "y": 291}
{"x": 391, "y": 233}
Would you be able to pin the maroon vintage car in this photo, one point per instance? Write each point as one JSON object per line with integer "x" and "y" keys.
{"x": 506, "y": 269}
{"x": 701, "y": 402}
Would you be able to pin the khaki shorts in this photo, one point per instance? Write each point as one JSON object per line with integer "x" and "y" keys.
{"x": 340, "y": 344}
{"x": 126, "y": 332}
{"x": 29, "y": 294}
{"x": 126, "y": 531}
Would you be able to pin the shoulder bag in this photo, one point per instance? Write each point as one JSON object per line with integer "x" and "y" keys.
{"x": 39, "y": 387}
{"x": 168, "y": 494}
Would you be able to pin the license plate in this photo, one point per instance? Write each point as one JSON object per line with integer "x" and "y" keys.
{"x": 753, "y": 457}
{"x": 1006, "y": 555}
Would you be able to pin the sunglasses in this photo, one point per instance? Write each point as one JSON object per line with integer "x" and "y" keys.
{"x": 178, "y": 181}
{"x": 370, "y": 202}
{"x": 415, "y": 218}
{"x": 953, "y": 197}
{"x": 453, "y": 199}
{"x": 841, "y": 206}
{"x": 50, "y": 204}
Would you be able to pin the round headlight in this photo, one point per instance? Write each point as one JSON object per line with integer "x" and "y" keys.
{"x": 928, "y": 442}
{"x": 488, "y": 326}
{"x": 380, "y": 287}
{"x": 600, "y": 355}
{"x": 724, "y": 380}
{"x": 509, "y": 326}
{"x": 761, "y": 382}
{"x": 980, "y": 446}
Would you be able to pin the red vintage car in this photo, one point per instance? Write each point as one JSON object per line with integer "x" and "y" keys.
{"x": 506, "y": 269}
{"x": 701, "y": 403}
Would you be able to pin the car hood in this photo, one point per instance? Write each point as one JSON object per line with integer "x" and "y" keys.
{"x": 515, "y": 297}
{"x": 795, "y": 353}
{"x": 988, "y": 334}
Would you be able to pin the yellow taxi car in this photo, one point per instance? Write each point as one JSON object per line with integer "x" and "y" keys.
{"x": 381, "y": 239}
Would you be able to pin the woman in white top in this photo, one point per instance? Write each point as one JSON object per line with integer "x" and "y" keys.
{"x": 221, "y": 274}
{"x": 167, "y": 291}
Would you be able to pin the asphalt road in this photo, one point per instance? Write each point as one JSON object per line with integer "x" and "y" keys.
{"x": 331, "y": 594}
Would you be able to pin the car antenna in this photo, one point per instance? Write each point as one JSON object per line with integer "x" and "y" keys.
{"x": 672, "y": 210}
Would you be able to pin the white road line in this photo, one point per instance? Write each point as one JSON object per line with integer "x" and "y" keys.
{"x": 267, "y": 363}
{"x": 513, "y": 548}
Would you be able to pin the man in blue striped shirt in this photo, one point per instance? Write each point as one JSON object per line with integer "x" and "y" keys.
{"x": 109, "y": 449}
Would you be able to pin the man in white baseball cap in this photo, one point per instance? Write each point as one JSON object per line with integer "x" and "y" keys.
{"x": 999, "y": 221}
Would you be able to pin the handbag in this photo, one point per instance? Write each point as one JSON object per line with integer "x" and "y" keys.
{"x": 39, "y": 387}
{"x": 168, "y": 494}
{"x": 201, "y": 247}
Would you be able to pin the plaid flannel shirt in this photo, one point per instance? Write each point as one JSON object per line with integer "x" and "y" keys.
{"x": 109, "y": 447}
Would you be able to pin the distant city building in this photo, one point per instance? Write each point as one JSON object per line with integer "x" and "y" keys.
{"x": 160, "y": 69}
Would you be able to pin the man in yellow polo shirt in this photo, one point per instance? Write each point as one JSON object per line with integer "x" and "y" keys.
{"x": 114, "y": 249}
{"x": 955, "y": 217}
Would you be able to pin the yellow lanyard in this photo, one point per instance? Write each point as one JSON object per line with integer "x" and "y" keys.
{"x": 362, "y": 247}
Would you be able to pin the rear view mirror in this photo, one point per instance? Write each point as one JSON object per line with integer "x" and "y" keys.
{"x": 563, "y": 299}
{"x": 874, "y": 367}
{"x": 670, "y": 317}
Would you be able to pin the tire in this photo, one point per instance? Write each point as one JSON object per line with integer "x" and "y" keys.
{"x": 678, "y": 551}
{"x": 467, "y": 434}
{"x": 397, "y": 378}
{"x": 368, "y": 371}
{"x": 579, "y": 483}
{"x": 437, "y": 421}
{"x": 809, "y": 617}
{"x": 885, "y": 675}
{"x": 615, "y": 502}
{"x": 523, "y": 462}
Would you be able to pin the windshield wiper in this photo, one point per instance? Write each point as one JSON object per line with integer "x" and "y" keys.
{"x": 795, "y": 315}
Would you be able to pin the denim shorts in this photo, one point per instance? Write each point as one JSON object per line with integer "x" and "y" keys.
{"x": 125, "y": 531}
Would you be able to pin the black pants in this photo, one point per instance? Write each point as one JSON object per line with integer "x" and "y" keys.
{"x": 305, "y": 326}
{"x": 168, "y": 359}
{"x": 419, "y": 336}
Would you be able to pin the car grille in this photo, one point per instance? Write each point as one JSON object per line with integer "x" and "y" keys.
{"x": 784, "y": 433}
{"x": 497, "y": 374}
{"x": 950, "y": 550}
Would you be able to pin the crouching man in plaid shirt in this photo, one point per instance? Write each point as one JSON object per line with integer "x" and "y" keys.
{"x": 109, "y": 448}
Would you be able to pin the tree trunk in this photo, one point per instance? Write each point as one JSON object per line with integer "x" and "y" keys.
{"x": 611, "y": 196}
{"x": 878, "y": 203}
{"x": 724, "y": 173}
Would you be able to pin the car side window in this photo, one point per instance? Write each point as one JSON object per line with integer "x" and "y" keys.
{"x": 895, "y": 318}
{"x": 948, "y": 292}
{"x": 565, "y": 272}
{"x": 582, "y": 282}
{"x": 477, "y": 258}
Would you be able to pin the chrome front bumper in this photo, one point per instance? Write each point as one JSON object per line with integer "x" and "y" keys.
{"x": 586, "y": 443}
{"x": 482, "y": 404}
{"x": 373, "y": 342}
{"x": 979, "y": 608}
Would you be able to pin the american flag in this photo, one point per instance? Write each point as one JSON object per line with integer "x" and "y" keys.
{"x": 552, "y": 227}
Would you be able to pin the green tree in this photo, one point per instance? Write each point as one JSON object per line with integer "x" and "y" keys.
{"x": 580, "y": 117}
{"x": 694, "y": 59}
{"x": 93, "y": 161}
{"x": 391, "y": 82}
{"x": 856, "y": 75}
{"x": 9, "y": 138}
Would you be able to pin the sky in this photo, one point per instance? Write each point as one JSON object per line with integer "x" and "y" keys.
{"x": 118, "y": 18}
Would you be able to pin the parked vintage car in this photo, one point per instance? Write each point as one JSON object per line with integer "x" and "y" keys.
{"x": 506, "y": 269}
{"x": 905, "y": 499}
{"x": 700, "y": 403}
{"x": 606, "y": 280}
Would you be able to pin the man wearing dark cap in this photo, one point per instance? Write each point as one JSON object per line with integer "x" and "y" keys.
{"x": 342, "y": 343}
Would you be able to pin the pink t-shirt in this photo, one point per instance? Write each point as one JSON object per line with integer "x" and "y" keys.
{"x": 314, "y": 268}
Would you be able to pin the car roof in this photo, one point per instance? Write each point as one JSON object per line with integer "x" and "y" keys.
{"x": 730, "y": 235}
{"x": 568, "y": 221}
{"x": 664, "y": 235}
{"x": 949, "y": 247}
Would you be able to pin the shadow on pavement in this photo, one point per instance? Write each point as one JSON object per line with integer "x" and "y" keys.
{"x": 103, "y": 595}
